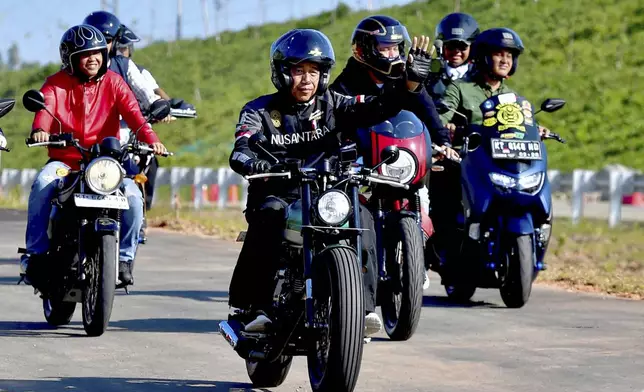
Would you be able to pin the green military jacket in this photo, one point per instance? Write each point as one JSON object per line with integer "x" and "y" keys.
{"x": 465, "y": 96}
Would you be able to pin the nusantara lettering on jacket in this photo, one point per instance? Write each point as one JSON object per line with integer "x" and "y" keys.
{"x": 303, "y": 137}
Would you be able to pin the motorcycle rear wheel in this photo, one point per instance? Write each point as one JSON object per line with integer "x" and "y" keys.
{"x": 269, "y": 374}
{"x": 58, "y": 313}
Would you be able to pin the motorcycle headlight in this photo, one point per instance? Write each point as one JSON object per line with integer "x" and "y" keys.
{"x": 503, "y": 181}
{"x": 404, "y": 168}
{"x": 333, "y": 207}
{"x": 104, "y": 175}
{"x": 530, "y": 183}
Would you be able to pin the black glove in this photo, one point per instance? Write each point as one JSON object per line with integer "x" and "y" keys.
{"x": 256, "y": 166}
{"x": 418, "y": 69}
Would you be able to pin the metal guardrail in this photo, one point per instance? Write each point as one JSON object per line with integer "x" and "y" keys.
{"x": 615, "y": 182}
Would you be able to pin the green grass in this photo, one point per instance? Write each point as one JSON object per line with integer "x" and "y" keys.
{"x": 581, "y": 50}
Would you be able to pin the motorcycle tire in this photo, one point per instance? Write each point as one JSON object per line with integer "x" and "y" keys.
{"x": 98, "y": 295}
{"x": 334, "y": 364}
{"x": 269, "y": 374}
{"x": 58, "y": 313}
{"x": 402, "y": 297}
{"x": 460, "y": 293}
{"x": 517, "y": 287}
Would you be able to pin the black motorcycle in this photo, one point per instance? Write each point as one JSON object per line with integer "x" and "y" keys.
{"x": 143, "y": 167}
{"x": 318, "y": 302}
{"x": 81, "y": 265}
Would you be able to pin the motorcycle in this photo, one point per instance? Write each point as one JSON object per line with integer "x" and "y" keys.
{"x": 401, "y": 225}
{"x": 6, "y": 105}
{"x": 141, "y": 164}
{"x": 318, "y": 302}
{"x": 506, "y": 220}
{"x": 82, "y": 261}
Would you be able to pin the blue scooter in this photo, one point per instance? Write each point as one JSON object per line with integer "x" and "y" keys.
{"x": 507, "y": 204}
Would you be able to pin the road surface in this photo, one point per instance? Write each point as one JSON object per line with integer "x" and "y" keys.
{"x": 163, "y": 336}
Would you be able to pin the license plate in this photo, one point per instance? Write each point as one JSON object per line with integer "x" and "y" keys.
{"x": 516, "y": 149}
{"x": 101, "y": 201}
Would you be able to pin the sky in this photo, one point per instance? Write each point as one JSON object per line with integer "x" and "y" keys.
{"x": 37, "y": 25}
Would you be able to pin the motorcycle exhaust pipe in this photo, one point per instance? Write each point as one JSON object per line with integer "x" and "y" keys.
{"x": 228, "y": 333}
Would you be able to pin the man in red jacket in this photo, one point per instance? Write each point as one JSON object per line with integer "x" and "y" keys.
{"x": 87, "y": 98}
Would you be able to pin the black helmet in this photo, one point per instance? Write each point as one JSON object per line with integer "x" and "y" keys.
{"x": 106, "y": 22}
{"x": 375, "y": 30}
{"x": 496, "y": 39}
{"x": 457, "y": 27}
{"x": 78, "y": 39}
{"x": 296, "y": 46}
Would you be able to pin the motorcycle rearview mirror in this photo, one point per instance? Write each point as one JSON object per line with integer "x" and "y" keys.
{"x": 387, "y": 155}
{"x": 6, "y": 104}
{"x": 256, "y": 143}
{"x": 552, "y": 105}
{"x": 442, "y": 108}
{"x": 473, "y": 141}
{"x": 256, "y": 140}
{"x": 159, "y": 110}
{"x": 34, "y": 101}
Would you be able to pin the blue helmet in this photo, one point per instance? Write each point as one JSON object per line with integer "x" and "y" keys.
{"x": 106, "y": 22}
{"x": 297, "y": 46}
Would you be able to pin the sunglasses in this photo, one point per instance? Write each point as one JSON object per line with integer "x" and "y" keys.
{"x": 457, "y": 45}
{"x": 109, "y": 40}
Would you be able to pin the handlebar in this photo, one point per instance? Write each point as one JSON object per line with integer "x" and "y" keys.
{"x": 441, "y": 151}
{"x": 54, "y": 140}
{"x": 267, "y": 175}
{"x": 380, "y": 180}
{"x": 360, "y": 176}
{"x": 555, "y": 136}
{"x": 145, "y": 149}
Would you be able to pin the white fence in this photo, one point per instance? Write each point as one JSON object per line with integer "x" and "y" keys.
{"x": 615, "y": 182}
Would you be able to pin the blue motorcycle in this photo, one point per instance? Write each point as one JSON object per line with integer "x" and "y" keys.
{"x": 506, "y": 218}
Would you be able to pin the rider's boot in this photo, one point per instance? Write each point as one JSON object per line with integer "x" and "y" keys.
{"x": 125, "y": 272}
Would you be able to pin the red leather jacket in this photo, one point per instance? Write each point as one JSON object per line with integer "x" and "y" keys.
{"x": 89, "y": 110}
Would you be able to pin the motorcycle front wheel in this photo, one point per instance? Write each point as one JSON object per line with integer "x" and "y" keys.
{"x": 334, "y": 359}
{"x": 402, "y": 297}
{"x": 98, "y": 294}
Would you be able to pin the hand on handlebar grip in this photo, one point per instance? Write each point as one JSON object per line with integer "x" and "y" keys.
{"x": 256, "y": 166}
{"x": 40, "y": 137}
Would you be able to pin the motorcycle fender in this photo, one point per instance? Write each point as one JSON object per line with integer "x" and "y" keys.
{"x": 106, "y": 225}
{"x": 328, "y": 248}
{"x": 520, "y": 224}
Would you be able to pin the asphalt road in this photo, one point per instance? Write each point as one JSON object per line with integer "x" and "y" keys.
{"x": 163, "y": 336}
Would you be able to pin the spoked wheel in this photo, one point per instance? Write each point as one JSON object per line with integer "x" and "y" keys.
{"x": 98, "y": 294}
{"x": 269, "y": 374}
{"x": 402, "y": 299}
{"x": 335, "y": 357}
{"x": 58, "y": 313}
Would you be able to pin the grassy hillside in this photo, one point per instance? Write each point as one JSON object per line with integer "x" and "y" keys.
{"x": 585, "y": 51}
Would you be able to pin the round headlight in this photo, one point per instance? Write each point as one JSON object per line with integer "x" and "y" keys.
{"x": 104, "y": 175}
{"x": 333, "y": 207}
{"x": 404, "y": 168}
